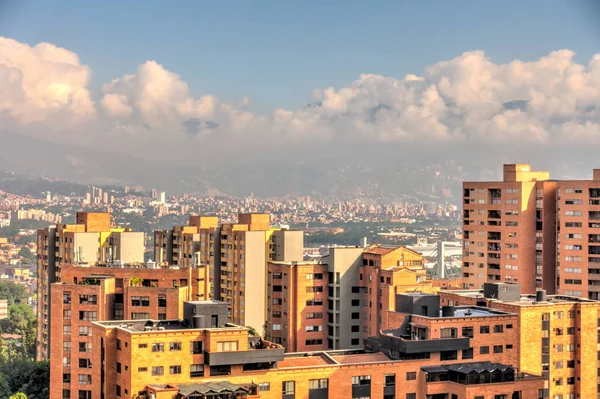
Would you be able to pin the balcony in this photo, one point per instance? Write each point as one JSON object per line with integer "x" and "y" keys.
{"x": 404, "y": 344}
{"x": 267, "y": 352}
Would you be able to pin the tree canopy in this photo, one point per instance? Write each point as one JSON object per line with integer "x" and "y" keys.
{"x": 15, "y": 293}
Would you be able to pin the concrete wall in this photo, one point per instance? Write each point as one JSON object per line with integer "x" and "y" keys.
{"x": 289, "y": 245}
{"x": 346, "y": 262}
{"x": 255, "y": 280}
{"x": 129, "y": 247}
{"x": 84, "y": 247}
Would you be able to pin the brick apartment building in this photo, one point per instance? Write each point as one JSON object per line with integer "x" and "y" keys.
{"x": 90, "y": 241}
{"x": 529, "y": 226}
{"x": 557, "y": 336}
{"x": 87, "y": 294}
{"x": 337, "y": 301}
{"x": 204, "y": 357}
{"x": 237, "y": 256}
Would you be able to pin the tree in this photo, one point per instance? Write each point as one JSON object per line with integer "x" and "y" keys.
{"x": 136, "y": 281}
{"x": 21, "y": 320}
{"x": 15, "y": 293}
{"x": 27, "y": 255}
{"x": 19, "y": 395}
{"x": 27, "y": 377}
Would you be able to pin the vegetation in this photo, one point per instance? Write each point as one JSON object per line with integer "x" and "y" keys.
{"x": 15, "y": 293}
{"x": 24, "y": 377}
{"x": 136, "y": 281}
{"x": 28, "y": 256}
{"x": 20, "y": 376}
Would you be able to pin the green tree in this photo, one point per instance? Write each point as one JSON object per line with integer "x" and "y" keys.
{"x": 27, "y": 255}
{"x": 30, "y": 378}
{"x": 21, "y": 320}
{"x": 15, "y": 293}
{"x": 18, "y": 395}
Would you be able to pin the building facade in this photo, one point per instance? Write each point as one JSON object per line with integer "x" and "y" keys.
{"x": 201, "y": 359}
{"x": 89, "y": 294}
{"x": 529, "y": 226}
{"x": 90, "y": 241}
{"x": 557, "y": 335}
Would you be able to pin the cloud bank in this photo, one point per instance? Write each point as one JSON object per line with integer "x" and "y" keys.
{"x": 467, "y": 101}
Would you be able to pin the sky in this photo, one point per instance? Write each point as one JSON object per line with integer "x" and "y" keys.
{"x": 226, "y": 75}
{"x": 276, "y": 52}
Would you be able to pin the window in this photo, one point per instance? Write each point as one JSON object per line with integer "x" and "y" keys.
{"x": 448, "y": 355}
{"x": 355, "y": 315}
{"x": 315, "y": 328}
{"x": 467, "y": 353}
{"x": 498, "y": 328}
{"x": 85, "y": 331}
{"x": 355, "y": 341}
{"x": 411, "y": 375}
{"x": 276, "y": 314}
{"x": 276, "y": 275}
{"x": 139, "y": 316}
{"x": 118, "y": 367}
{"x": 314, "y": 341}
{"x": 85, "y": 347}
{"x": 276, "y": 327}
{"x": 88, "y": 299}
{"x": 89, "y": 316}
{"x": 119, "y": 314}
{"x": 356, "y": 302}
{"x": 484, "y": 329}
{"x": 85, "y": 363}
{"x": 355, "y": 329}
{"x": 316, "y": 276}
{"x": 158, "y": 347}
{"x": 67, "y": 346}
{"x": 197, "y": 370}
{"x": 118, "y": 390}
{"x": 196, "y": 347}
{"x": 361, "y": 380}
{"x": 314, "y": 315}
{"x": 162, "y": 301}
{"x": 314, "y": 302}
{"x": 498, "y": 349}
{"x": 84, "y": 379}
{"x": 174, "y": 369}
{"x": 67, "y": 297}
{"x": 277, "y": 301}
{"x": 314, "y": 289}
{"x": 318, "y": 384}
{"x": 484, "y": 350}
{"x": 411, "y": 395}
{"x": 66, "y": 394}
{"x": 142, "y": 346}
{"x": 467, "y": 332}
{"x": 67, "y": 314}
{"x": 175, "y": 346}
{"x": 389, "y": 380}
{"x": 66, "y": 378}
{"x": 264, "y": 386}
{"x": 227, "y": 346}
{"x": 288, "y": 387}
{"x": 142, "y": 369}
{"x": 158, "y": 370}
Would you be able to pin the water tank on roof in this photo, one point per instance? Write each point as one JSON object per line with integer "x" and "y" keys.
{"x": 540, "y": 296}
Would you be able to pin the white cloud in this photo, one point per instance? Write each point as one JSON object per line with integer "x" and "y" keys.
{"x": 42, "y": 83}
{"x": 468, "y": 99}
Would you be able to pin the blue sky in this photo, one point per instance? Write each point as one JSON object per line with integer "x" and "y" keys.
{"x": 277, "y": 52}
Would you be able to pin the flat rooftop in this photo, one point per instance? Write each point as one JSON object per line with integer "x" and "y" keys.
{"x": 159, "y": 325}
{"x": 525, "y": 300}
{"x": 331, "y": 358}
{"x": 474, "y": 311}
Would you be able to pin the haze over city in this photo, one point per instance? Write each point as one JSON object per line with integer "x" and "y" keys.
{"x": 172, "y": 90}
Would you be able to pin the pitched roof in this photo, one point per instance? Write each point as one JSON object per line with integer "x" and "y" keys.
{"x": 210, "y": 387}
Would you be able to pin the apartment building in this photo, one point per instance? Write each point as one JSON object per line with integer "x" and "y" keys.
{"x": 203, "y": 357}
{"x": 244, "y": 250}
{"x": 557, "y": 335}
{"x": 530, "y": 226}
{"x": 503, "y": 242}
{"x": 91, "y": 241}
{"x": 89, "y": 294}
{"x": 187, "y": 245}
{"x": 384, "y": 273}
{"x": 297, "y": 304}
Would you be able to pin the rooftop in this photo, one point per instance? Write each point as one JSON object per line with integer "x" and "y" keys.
{"x": 137, "y": 326}
{"x": 330, "y": 358}
{"x": 525, "y": 300}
